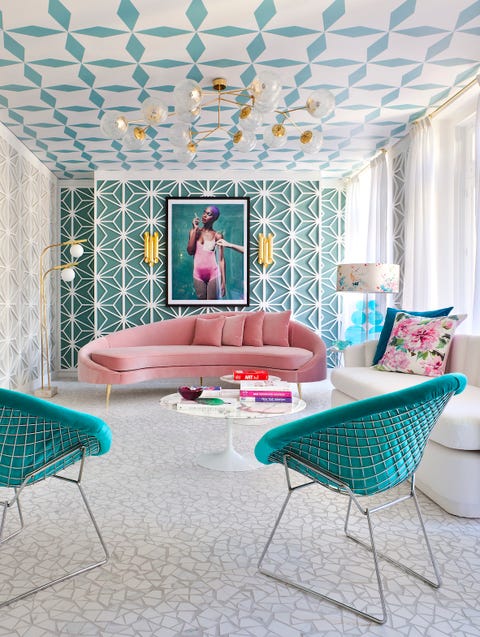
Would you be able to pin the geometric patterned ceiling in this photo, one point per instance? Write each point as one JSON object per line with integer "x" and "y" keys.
{"x": 64, "y": 63}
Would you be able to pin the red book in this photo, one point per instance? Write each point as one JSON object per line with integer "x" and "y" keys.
{"x": 250, "y": 374}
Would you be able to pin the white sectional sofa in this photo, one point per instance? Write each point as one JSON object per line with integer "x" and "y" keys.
{"x": 449, "y": 473}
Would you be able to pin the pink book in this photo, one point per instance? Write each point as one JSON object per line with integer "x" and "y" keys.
{"x": 269, "y": 399}
{"x": 265, "y": 393}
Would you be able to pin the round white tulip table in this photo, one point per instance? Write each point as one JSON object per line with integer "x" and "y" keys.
{"x": 228, "y": 458}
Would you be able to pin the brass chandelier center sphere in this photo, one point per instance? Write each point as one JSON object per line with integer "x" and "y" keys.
{"x": 219, "y": 84}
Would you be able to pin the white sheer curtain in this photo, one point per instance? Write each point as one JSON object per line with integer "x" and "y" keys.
{"x": 368, "y": 214}
{"x": 476, "y": 297}
{"x": 380, "y": 221}
{"x": 442, "y": 217}
{"x": 421, "y": 232}
{"x": 368, "y": 223}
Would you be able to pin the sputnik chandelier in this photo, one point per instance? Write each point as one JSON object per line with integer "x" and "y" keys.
{"x": 255, "y": 104}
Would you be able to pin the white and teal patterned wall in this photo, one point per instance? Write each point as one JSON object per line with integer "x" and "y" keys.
{"x": 307, "y": 223}
{"x": 28, "y": 222}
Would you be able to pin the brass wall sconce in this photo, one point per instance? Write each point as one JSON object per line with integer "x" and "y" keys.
{"x": 150, "y": 248}
{"x": 265, "y": 249}
{"x": 67, "y": 274}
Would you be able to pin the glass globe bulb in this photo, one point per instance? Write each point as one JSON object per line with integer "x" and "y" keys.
{"x": 311, "y": 142}
{"x": 76, "y": 250}
{"x": 184, "y": 155}
{"x": 249, "y": 118}
{"x": 154, "y": 112}
{"x": 187, "y": 95}
{"x": 244, "y": 141}
{"x": 179, "y": 135}
{"x": 276, "y": 136}
{"x": 113, "y": 125}
{"x": 135, "y": 139}
{"x": 67, "y": 274}
{"x": 188, "y": 117}
{"x": 320, "y": 103}
{"x": 266, "y": 85}
{"x": 266, "y": 89}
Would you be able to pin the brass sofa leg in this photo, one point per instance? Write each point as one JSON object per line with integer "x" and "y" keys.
{"x": 201, "y": 380}
{"x": 107, "y": 396}
{"x": 299, "y": 387}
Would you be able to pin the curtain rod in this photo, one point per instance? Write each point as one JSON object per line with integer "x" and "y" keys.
{"x": 365, "y": 166}
{"x": 476, "y": 80}
{"x": 454, "y": 97}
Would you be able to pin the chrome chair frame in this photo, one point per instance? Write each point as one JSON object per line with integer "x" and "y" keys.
{"x": 361, "y": 450}
{"x": 15, "y": 501}
{"x": 367, "y": 512}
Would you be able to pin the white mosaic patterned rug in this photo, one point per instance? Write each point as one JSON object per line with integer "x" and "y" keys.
{"x": 185, "y": 541}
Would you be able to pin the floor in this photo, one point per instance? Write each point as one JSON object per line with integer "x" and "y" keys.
{"x": 185, "y": 540}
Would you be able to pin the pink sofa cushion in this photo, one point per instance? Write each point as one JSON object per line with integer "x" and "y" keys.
{"x": 123, "y": 359}
{"x": 253, "y": 331}
{"x": 208, "y": 331}
{"x": 275, "y": 328}
{"x": 233, "y": 330}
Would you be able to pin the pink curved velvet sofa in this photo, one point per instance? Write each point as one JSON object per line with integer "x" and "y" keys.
{"x": 164, "y": 349}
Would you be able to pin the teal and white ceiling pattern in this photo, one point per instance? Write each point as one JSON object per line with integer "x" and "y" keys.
{"x": 64, "y": 63}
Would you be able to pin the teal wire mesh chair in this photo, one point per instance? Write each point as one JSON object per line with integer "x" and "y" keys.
{"x": 38, "y": 440}
{"x": 361, "y": 449}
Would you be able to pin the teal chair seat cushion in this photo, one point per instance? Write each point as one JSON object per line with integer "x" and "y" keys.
{"x": 35, "y": 433}
{"x": 371, "y": 445}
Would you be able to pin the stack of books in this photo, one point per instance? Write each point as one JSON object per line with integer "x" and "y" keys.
{"x": 265, "y": 391}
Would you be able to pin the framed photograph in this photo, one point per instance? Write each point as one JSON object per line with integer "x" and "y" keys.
{"x": 207, "y": 251}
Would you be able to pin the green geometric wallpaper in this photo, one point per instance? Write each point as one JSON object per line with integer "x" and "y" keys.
{"x": 77, "y": 213}
{"x": 116, "y": 289}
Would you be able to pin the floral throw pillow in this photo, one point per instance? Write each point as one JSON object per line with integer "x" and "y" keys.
{"x": 419, "y": 345}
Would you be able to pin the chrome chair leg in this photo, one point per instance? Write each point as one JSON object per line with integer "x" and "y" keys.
{"x": 275, "y": 526}
{"x": 435, "y": 583}
{"x": 83, "y": 569}
{"x": 6, "y": 505}
{"x": 311, "y": 591}
{"x": 379, "y": 620}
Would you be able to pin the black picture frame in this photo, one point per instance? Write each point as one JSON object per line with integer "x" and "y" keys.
{"x": 207, "y": 251}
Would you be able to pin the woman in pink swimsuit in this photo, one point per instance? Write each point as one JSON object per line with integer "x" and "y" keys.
{"x": 208, "y": 273}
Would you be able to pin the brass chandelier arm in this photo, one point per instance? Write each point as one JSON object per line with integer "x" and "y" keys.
{"x": 200, "y": 136}
{"x": 286, "y": 116}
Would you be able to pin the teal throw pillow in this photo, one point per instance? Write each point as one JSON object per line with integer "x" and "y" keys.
{"x": 388, "y": 325}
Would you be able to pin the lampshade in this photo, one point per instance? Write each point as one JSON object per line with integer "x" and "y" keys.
{"x": 368, "y": 277}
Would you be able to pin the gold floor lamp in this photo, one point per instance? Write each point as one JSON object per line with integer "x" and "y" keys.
{"x": 67, "y": 273}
